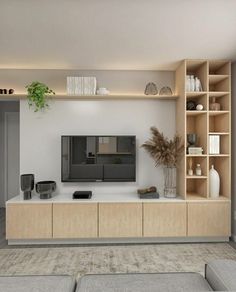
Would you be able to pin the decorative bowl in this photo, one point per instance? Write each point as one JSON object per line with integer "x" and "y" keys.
{"x": 45, "y": 188}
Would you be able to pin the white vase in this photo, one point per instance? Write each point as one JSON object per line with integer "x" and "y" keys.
{"x": 214, "y": 183}
{"x": 192, "y": 83}
{"x": 187, "y": 83}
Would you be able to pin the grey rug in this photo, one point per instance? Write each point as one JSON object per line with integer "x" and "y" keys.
{"x": 112, "y": 259}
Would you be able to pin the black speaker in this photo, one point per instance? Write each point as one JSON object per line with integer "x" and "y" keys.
{"x": 27, "y": 185}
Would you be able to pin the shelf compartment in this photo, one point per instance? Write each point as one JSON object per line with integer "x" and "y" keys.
{"x": 214, "y": 79}
{"x": 219, "y": 67}
{"x": 195, "y": 113}
{"x": 219, "y": 123}
{"x": 195, "y": 94}
{"x": 216, "y": 113}
{"x": 222, "y": 99}
{"x": 198, "y": 124}
{"x": 198, "y": 68}
{"x": 196, "y": 177}
{"x": 219, "y": 155}
{"x": 220, "y": 86}
{"x": 222, "y": 166}
{"x": 196, "y": 155}
{"x": 224, "y": 144}
{"x": 197, "y": 160}
{"x": 196, "y": 188}
{"x": 195, "y": 196}
{"x": 198, "y": 98}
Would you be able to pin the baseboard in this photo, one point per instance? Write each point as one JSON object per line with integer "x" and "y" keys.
{"x": 119, "y": 241}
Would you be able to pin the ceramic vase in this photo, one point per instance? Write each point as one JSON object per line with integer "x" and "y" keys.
{"x": 214, "y": 183}
{"x": 214, "y": 106}
{"x": 192, "y": 83}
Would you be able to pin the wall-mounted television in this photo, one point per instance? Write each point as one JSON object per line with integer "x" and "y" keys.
{"x": 98, "y": 158}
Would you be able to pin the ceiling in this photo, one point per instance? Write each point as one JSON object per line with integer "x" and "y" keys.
{"x": 115, "y": 34}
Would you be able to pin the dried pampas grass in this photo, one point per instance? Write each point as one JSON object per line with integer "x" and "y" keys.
{"x": 164, "y": 151}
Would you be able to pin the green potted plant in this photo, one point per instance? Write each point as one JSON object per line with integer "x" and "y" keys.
{"x": 38, "y": 94}
{"x": 166, "y": 152}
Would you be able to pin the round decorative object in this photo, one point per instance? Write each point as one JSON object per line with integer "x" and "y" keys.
{"x": 165, "y": 91}
{"x": 191, "y": 105}
{"x": 151, "y": 89}
{"x": 214, "y": 183}
{"x": 45, "y": 188}
{"x": 199, "y": 107}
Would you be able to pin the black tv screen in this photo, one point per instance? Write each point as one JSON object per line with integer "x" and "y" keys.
{"x": 98, "y": 158}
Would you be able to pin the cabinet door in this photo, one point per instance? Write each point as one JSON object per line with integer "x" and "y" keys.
{"x": 164, "y": 219}
{"x": 120, "y": 220}
{"x": 209, "y": 219}
{"x": 75, "y": 220}
{"x": 29, "y": 221}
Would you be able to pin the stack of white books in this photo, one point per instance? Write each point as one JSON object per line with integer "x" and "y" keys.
{"x": 81, "y": 85}
{"x": 214, "y": 144}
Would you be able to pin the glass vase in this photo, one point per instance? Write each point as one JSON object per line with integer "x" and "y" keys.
{"x": 170, "y": 182}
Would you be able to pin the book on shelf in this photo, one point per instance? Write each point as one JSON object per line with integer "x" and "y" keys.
{"x": 214, "y": 144}
{"x": 81, "y": 85}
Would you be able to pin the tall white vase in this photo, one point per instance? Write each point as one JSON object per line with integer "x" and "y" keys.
{"x": 214, "y": 183}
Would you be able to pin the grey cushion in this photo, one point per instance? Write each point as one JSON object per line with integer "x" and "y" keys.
{"x": 143, "y": 282}
{"x": 37, "y": 284}
{"x": 221, "y": 275}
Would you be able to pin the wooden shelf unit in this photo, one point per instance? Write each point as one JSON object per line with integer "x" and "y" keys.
{"x": 215, "y": 77}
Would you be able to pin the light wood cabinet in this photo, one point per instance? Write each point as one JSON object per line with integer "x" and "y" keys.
{"x": 29, "y": 221}
{"x": 164, "y": 219}
{"x": 120, "y": 220}
{"x": 209, "y": 219}
{"x": 75, "y": 220}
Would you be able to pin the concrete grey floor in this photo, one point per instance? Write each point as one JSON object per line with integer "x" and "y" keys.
{"x": 3, "y": 241}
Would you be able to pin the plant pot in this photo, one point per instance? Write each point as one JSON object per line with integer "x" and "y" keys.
{"x": 170, "y": 182}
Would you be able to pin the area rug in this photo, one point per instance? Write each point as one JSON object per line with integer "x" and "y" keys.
{"x": 112, "y": 259}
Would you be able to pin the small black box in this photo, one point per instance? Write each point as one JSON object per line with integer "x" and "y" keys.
{"x": 82, "y": 195}
{"x": 152, "y": 195}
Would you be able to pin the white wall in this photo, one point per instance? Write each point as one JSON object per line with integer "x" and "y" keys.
{"x": 40, "y": 148}
{"x": 116, "y": 81}
{"x": 5, "y": 106}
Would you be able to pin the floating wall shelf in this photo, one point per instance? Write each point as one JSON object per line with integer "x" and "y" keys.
{"x": 95, "y": 97}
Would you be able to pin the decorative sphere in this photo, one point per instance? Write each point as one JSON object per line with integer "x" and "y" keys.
{"x": 199, "y": 107}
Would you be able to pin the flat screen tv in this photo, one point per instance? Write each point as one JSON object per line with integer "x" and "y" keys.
{"x": 98, "y": 158}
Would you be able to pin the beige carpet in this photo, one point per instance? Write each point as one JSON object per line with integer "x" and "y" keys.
{"x": 112, "y": 259}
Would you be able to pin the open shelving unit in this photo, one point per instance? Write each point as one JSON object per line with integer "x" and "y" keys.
{"x": 215, "y": 77}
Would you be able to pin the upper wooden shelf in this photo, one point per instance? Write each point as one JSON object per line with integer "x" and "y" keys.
{"x": 213, "y": 79}
{"x": 94, "y": 97}
{"x": 217, "y": 113}
{"x": 195, "y": 93}
{"x": 195, "y": 112}
{"x": 218, "y": 93}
